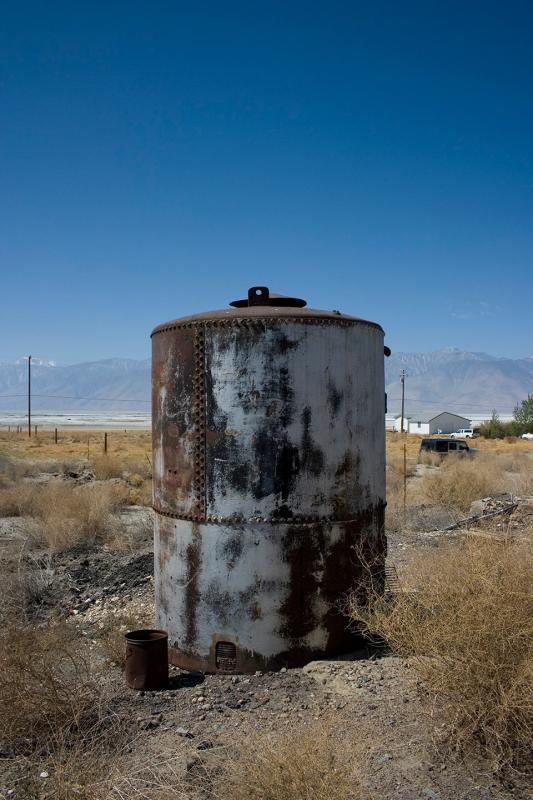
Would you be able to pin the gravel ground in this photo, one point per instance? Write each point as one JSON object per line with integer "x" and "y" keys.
{"x": 374, "y": 700}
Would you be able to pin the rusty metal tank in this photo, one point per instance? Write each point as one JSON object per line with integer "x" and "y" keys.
{"x": 269, "y": 481}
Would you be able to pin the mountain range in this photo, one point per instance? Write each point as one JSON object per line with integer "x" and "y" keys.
{"x": 448, "y": 379}
{"x": 454, "y": 380}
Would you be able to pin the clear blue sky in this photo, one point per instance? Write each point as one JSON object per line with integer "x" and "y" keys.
{"x": 157, "y": 158}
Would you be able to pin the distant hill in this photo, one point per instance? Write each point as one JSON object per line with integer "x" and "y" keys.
{"x": 453, "y": 380}
{"x": 115, "y": 384}
{"x": 447, "y": 379}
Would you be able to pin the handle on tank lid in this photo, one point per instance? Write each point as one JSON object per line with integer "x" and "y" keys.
{"x": 262, "y": 296}
{"x": 258, "y": 296}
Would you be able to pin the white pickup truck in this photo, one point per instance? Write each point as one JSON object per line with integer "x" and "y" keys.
{"x": 463, "y": 433}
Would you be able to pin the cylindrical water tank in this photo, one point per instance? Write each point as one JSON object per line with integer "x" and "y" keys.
{"x": 269, "y": 481}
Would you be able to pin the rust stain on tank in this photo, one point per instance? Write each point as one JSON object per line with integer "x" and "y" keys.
{"x": 192, "y": 593}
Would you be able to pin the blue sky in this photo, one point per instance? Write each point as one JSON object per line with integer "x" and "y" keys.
{"x": 157, "y": 158}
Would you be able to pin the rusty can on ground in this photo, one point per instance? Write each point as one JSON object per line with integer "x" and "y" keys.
{"x": 269, "y": 481}
{"x": 147, "y": 659}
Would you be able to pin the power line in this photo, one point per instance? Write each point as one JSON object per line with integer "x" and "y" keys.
{"x": 147, "y": 402}
{"x": 438, "y": 402}
{"x": 72, "y": 397}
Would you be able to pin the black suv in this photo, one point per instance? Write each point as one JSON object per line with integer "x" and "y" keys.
{"x": 444, "y": 446}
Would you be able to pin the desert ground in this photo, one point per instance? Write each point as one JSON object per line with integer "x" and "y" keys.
{"x": 436, "y": 704}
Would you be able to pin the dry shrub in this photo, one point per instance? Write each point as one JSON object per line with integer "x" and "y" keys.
{"x": 15, "y": 499}
{"x": 460, "y": 481}
{"x": 29, "y": 591}
{"x": 306, "y": 763}
{"x": 518, "y": 469}
{"x": 106, "y": 467}
{"x": 430, "y": 458}
{"x": 133, "y": 470}
{"x": 140, "y": 467}
{"x": 99, "y": 767}
{"x": 46, "y": 688}
{"x": 141, "y": 494}
{"x": 465, "y": 617}
{"x": 12, "y": 470}
{"x": 59, "y": 737}
{"x": 67, "y": 516}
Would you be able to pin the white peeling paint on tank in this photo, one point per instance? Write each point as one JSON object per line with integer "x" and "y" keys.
{"x": 242, "y": 580}
{"x": 336, "y": 401}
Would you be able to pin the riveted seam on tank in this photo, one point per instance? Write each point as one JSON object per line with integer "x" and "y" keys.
{"x": 199, "y": 423}
{"x": 260, "y": 321}
{"x": 304, "y": 522}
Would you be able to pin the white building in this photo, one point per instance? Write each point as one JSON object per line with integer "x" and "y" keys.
{"x": 445, "y": 422}
{"x": 397, "y": 424}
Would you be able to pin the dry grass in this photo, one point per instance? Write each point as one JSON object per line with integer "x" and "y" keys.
{"x": 307, "y": 763}
{"x": 72, "y": 444}
{"x": 46, "y": 687}
{"x": 396, "y": 441}
{"x": 460, "y": 481}
{"x": 466, "y": 620}
{"x": 65, "y": 515}
{"x": 59, "y": 737}
{"x": 129, "y": 468}
{"x": 16, "y": 499}
{"x": 136, "y": 474}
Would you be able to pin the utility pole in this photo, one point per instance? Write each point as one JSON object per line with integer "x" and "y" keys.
{"x": 29, "y": 396}
{"x": 402, "y": 379}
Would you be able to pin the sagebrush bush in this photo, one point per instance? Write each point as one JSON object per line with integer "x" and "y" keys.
{"x": 460, "y": 481}
{"x": 46, "y": 687}
{"x": 465, "y": 619}
{"x": 305, "y": 763}
{"x": 66, "y": 516}
{"x": 15, "y": 499}
{"x": 106, "y": 467}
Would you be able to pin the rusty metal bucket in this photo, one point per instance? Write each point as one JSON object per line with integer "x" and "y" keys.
{"x": 147, "y": 659}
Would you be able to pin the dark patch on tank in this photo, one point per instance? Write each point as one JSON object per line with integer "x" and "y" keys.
{"x": 283, "y": 512}
{"x": 226, "y": 606}
{"x": 218, "y": 444}
{"x": 348, "y": 493}
{"x": 219, "y": 603}
{"x": 276, "y": 464}
{"x": 255, "y": 611}
{"x": 283, "y": 344}
{"x": 192, "y": 592}
{"x": 334, "y": 397}
{"x": 348, "y": 465}
{"x": 283, "y": 389}
{"x": 312, "y": 457}
{"x": 271, "y": 408}
{"x": 232, "y": 550}
{"x": 355, "y": 562}
{"x": 304, "y": 554}
{"x": 249, "y": 397}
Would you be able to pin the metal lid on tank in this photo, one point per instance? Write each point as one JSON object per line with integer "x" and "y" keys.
{"x": 261, "y": 296}
{"x": 262, "y": 304}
